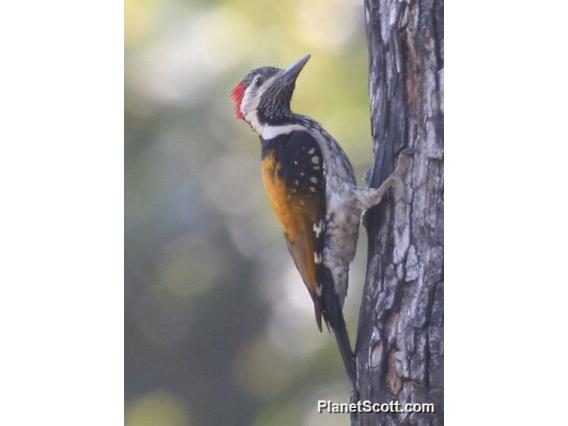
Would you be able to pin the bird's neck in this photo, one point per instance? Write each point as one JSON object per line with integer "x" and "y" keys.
{"x": 272, "y": 127}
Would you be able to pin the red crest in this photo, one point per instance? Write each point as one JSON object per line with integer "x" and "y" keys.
{"x": 237, "y": 95}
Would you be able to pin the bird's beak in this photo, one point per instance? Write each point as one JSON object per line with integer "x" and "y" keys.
{"x": 290, "y": 74}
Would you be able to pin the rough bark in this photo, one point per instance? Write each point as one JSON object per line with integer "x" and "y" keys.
{"x": 399, "y": 345}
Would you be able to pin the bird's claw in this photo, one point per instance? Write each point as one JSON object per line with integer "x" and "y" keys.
{"x": 403, "y": 161}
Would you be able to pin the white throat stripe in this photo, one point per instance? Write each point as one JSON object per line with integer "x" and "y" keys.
{"x": 271, "y": 132}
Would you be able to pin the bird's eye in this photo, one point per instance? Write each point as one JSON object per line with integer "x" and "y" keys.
{"x": 258, "y": 82}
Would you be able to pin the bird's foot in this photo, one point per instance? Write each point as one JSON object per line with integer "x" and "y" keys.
{"x": 403, "y": 161}
{"x": 403, "y": 164}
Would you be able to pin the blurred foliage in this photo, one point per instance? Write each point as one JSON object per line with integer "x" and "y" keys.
{"x": 219, "y": 328}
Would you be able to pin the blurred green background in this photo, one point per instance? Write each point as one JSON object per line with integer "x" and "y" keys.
{"x": 219, "y": 329}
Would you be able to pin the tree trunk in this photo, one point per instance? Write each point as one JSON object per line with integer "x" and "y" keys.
{"x": 399, "y": 345}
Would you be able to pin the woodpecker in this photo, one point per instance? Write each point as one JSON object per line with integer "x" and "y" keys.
{"x": 311, "y": 187}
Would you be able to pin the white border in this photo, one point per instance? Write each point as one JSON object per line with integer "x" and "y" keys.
{"x": 61, "y": 177}
{"x": 506, "y": 213}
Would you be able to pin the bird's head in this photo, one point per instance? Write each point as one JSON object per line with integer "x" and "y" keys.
{"x": 263, "y": 96}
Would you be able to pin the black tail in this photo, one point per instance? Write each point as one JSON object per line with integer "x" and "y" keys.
{"x": 345, "y": 350}
{"x": 333, "y": 317}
